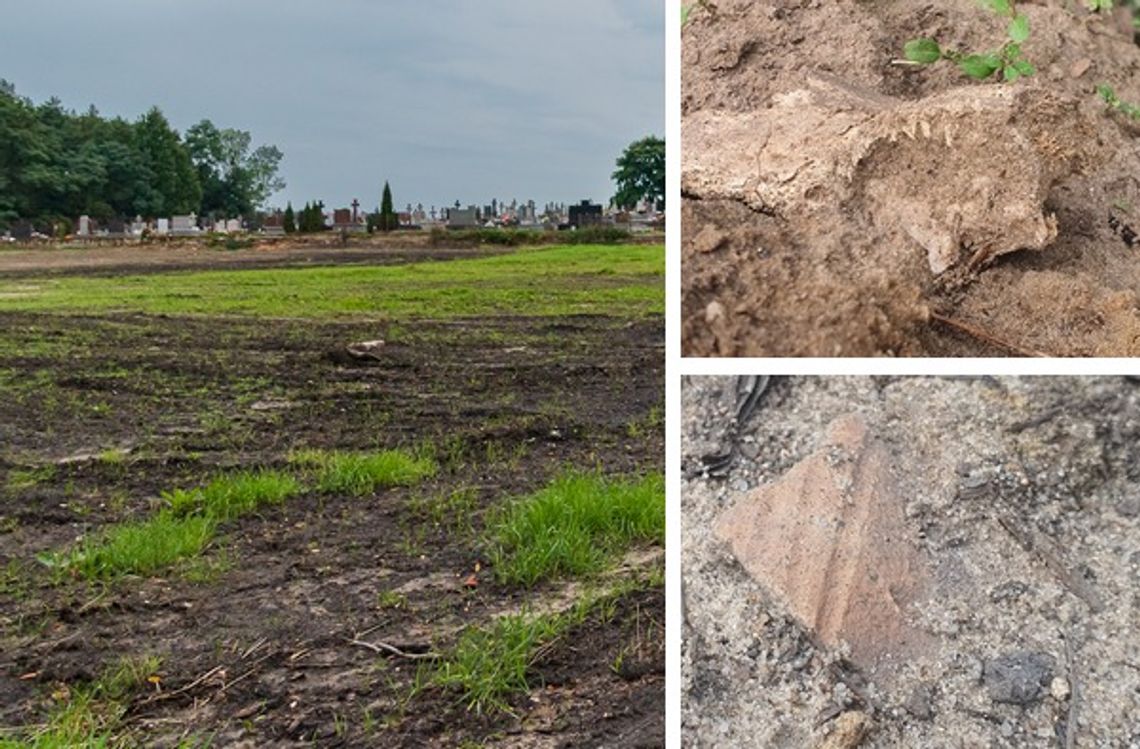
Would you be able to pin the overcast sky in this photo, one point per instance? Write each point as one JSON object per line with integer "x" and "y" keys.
{"x": 448, "y": 99}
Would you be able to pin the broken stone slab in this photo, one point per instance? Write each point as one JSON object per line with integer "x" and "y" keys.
{"x": 828, "y": 540}
{"x": 966, "y": 168}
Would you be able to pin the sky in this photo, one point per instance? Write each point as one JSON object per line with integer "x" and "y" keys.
{"x": 448, "y": 100}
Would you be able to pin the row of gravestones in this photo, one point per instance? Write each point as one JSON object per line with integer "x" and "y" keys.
{"x": 178, "y": 226}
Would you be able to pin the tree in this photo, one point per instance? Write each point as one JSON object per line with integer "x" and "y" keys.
{"x": 289, "y": 222}
{"x": 640, "y": 173}
{"x": 173, "y": 184}
{"x": 388, "y": 218}
{"x": 235, "y": 181}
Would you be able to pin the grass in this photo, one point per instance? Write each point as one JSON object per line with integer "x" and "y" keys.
{"x": 138, "y": 548}
{"x": 489, "y": 664}
{"x": 357, "y": 474}
{"x": 90, "y": 715}
{"x": 575, "y": 526}
{"x": 624, "y": 280}
{"x": 230, "y": 496}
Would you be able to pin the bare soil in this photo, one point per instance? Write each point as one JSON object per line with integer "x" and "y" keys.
{"x": 837, "y": 203}
{"x": 259, "y": 654}
{"x": 1019, "y": 501}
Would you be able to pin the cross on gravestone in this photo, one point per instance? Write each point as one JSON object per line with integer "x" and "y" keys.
{"x": 355, "y": 204}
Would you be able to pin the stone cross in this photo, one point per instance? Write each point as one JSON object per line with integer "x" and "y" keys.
{"x": 355, "y": 204}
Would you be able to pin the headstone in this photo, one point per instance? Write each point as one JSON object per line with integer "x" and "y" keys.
{"x": 585, "y": 214}
{"x": 138, "y": 226}
{"x": 463, "y": 218}
{"x": 183, "y": 226}
{"x": 163, "y": 227}
{"x": 84, "y": 226}
{"x": 233, "y": 225}
{"x": 220, "y": 226}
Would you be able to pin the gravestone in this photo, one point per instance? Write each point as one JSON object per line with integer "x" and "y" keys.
{"x": 233, "y": 225}
{"x": 163, "y": 227}
{"x": 182, "y": 226}
{"x": 84, "y": 226}
{"x": 220, "y": 226}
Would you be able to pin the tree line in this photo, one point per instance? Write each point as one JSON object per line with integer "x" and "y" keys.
{"x": 56, "y": 164}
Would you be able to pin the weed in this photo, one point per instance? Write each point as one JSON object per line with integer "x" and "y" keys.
{"x": 230, "y": 496}
{"x": 1129, "y": 110}
{"x": 357, "y": 474}
{"x": 687, "y": 10}
{"x": 390, "y": 599}
{"x": 453, "y": 511}
{"x": 27, "y": 478}
{"x": 89, "y": 716}
{"x": 575, "y": 526}
{"x": 137, "y": 548}
{"x": 14, "y": 582}
{"x": 1009, "y": 59}
{"x": 488, "y": 665}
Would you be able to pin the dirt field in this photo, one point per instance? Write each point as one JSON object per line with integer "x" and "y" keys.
{"x": 1016, "y": 509}
{"x": 837, "y": 202}
{"x": 103, "y": 414}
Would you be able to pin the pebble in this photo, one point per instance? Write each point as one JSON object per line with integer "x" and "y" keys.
{"x": 1018, "y": 678}
{"x": 1059, "y": 688}
{"x": 740, "y": 485}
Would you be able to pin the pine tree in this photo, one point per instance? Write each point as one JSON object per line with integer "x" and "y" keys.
{"x": 388, "y": 219}
{"x": 290, "y": 225}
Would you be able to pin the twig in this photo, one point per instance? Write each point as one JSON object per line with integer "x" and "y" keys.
{"x": 1074, "y": 696}
{"x": 181, "y": 690}
{"x": 383, "y": 647}
{"x": 1036, "y": 421}
{"x": 244, "y": 676}
{"x": 983, "y": 336}
{"x": 1045, "y": 550}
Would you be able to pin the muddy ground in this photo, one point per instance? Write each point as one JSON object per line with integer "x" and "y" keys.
{"x": 258, "y": 653}
{"x": 981, "y": 466}
{"x": 837, "y": 202}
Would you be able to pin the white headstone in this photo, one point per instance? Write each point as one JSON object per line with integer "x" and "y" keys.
{"x": 84, "y": 226}
{"x": 163, "y": 226}
{"x": 233, "y": 225}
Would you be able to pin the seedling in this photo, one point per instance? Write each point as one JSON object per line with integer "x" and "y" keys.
{"x": 1112, "y": 100}
{"x": 1009, "y": 60}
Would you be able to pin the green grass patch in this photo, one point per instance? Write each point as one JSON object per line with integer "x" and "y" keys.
{"x": 138, "y": 548}
{"x": 232, "y": 495}
{"x": 625, "y": 280}
{"x": 90, "y": 715}
{"x": 575, "y": 527}
{"x": 357, "y": 474}
{"x": 489, "y": 664}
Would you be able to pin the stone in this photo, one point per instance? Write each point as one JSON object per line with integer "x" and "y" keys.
{"x": 848, "y": 732}
{"x": 918, "y": 702}
{"x": 84, "y": 226}
{"x": 828, "y": 540}
{"x": 1059, "y": 688}
{"x": 1018, "y": 678}
{"x": 708, "y": 239}
{"x": 927, "y": 173}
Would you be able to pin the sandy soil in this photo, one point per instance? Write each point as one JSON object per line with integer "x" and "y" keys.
{"x": 982, "y": 465}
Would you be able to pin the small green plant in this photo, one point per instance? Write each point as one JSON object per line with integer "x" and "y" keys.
{"x": 357, "y": 474}
{"x": 575, "y": 526}
{"x": 137, "y": 548}
{"x": 686, "y": 10}
{"x": 1008, "y": 60}
{"x": 229, "y": 496}
{"x": 89, "y": 716}
{"x": 490, "y": 664}
{"x": 1098, "y": 5}
{"x": 1110, "y": 98}
{"x": 390, "y": 599}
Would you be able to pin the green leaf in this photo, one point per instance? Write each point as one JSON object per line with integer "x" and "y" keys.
{"x": 924, "y": 51}
{"x": 1019, "y": 29}
{"x": 685, "y": 11}
{"x": 1010, "y": 74}
{"x": 1001, "y": 7}
{"x": 979, "y": 66}
{"x": 1011, "y": 51}
{"x": 1025, "y": 67}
